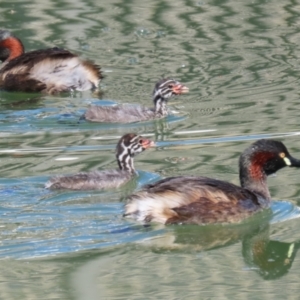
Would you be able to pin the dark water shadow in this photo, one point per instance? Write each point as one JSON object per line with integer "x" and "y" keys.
{"x": 271, "y": 259}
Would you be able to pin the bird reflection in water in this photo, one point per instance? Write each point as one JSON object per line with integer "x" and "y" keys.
{"x": 271, "y": 259}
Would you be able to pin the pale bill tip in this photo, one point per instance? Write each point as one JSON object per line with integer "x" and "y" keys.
{"x": 184, "y": 89}
{"x": 287, "y": 161}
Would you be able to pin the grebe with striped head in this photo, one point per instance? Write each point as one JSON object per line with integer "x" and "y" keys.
{"x": 128, "y": 146}
{"x": 128, "y": 113}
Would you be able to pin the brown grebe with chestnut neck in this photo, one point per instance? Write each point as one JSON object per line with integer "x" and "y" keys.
{"x": 202, "y": 200}
{"x": 51, "y": 71}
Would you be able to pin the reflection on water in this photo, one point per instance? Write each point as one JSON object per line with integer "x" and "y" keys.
{"x": 190, "y": 273}
{"x": 249, "y": 255}
{"x": 240, "y": 61}
{"x": 270, "y": 259}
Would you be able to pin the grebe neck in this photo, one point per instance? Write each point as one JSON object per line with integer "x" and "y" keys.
{"x": 160, "y": 104}
{"x": 254, "y": 179}
{"x": 10, "y": 48}
{"x": 125, "y": 161}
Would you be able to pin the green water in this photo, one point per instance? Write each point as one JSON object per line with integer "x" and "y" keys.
{"x": 241, "y": 63}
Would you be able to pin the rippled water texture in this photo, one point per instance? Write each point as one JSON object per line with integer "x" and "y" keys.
{"x": 240, "y": 60}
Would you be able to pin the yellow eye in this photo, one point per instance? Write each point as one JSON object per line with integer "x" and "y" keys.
{"x": 282, "y": 155}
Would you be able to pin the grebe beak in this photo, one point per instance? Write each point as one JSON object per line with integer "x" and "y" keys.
{"x": 147, "y": 143}
{"x": 180, "y": 89}
{"x": 292, "y": 162}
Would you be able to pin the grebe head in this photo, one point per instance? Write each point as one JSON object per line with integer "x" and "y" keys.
{"x": 4, "y": 34}
{"x": 129, "y": 145}
{"x": 262, "y": 158}
{"x": 165, "y": 89}
{"x": 10, "y": 46}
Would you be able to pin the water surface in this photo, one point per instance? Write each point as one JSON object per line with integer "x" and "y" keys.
{"x": 241, "y": 63}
